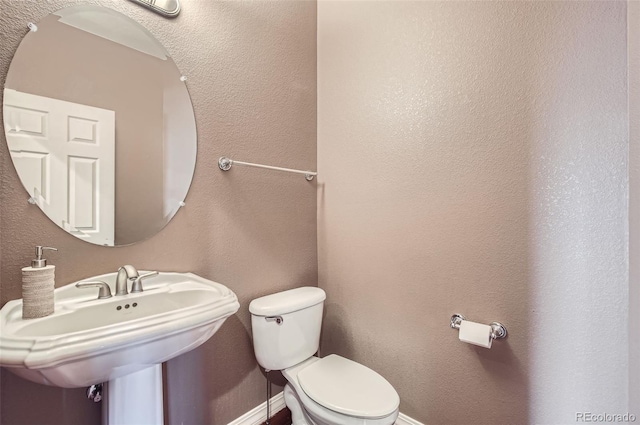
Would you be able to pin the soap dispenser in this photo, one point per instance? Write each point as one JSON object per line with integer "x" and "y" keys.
{"x": 38, "y": 282}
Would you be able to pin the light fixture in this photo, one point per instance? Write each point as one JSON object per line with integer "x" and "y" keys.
{"x": 168, "y": 8}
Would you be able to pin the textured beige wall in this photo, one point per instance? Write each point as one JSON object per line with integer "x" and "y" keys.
{"x": 633, "y": 27}
{"x": 472, "y": 158}
{"x": 252, "y": 77}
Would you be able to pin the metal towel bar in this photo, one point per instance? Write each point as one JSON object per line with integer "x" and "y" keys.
{"x": 225, "y": 165}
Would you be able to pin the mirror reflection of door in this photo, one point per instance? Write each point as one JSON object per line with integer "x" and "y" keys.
{"x": 65, "y": 154}
{"x": 95, "y": 56}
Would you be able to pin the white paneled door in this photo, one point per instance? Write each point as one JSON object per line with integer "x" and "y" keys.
{"x": 64, "y": 153}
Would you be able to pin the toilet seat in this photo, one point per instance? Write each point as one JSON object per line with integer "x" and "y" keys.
{"x": 349, "y": 388}
{"x": 319, "y": 414}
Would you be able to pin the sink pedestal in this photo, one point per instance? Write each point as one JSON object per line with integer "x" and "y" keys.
{"x": 134, "y": 399}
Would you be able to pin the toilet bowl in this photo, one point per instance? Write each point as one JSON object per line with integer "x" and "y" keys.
{"x": 320, "y": 391}
{"x": 361, "y": 400}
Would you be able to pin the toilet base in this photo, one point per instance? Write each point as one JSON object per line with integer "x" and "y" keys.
{"x": 298, "y": 415}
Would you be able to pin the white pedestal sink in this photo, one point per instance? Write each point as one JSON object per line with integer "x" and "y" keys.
{"x": 121, "y": 340}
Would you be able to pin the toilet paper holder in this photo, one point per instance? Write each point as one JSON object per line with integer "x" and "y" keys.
{"x": 498, "y": 331}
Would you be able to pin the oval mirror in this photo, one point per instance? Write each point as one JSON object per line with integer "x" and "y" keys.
{"x": 99, "y": 125}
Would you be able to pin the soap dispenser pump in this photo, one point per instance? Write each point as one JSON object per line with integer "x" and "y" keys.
{"x": 39, "y": 262}
{"x": 38, "y": 283}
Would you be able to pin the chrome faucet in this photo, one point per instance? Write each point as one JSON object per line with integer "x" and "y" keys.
{"x": 125, "y": 274}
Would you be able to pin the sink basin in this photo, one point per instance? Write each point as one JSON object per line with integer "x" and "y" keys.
{"x": 88, "y": 341}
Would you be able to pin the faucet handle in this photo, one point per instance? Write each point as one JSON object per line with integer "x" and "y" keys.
{"x": 105, "y": 291}
{"x": 136, "y": 286}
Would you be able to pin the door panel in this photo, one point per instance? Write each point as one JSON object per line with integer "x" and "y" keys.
{"x": 65, "y": 156}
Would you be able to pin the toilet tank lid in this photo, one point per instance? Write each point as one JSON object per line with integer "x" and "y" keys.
{"x": 287, "y": 301}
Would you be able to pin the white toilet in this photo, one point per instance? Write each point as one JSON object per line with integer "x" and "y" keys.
{"x": 328, "y": 391}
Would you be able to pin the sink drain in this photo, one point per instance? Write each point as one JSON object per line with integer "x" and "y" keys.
{"x": 94, "y": 393}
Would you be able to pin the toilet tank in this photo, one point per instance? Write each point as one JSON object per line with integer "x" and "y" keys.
{"x": 286, "y": 326}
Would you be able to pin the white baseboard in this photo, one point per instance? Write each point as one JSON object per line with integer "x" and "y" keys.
{"x": 406, "y": 420}
{"x": 258, "y": 414}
